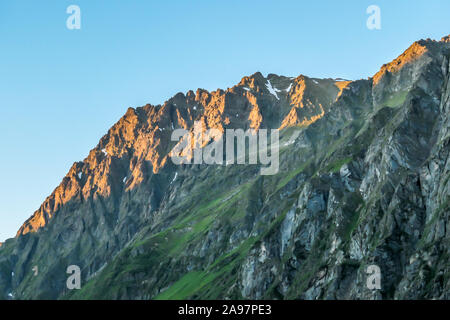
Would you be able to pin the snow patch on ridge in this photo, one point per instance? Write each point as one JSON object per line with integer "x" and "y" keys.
{"x": 289, "y": 88}
{"x": 271, "y": 90}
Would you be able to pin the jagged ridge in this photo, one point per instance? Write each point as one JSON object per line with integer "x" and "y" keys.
{"x": 367, "y": 183}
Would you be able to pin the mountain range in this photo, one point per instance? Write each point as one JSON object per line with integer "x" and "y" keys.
{"x": 363, "y": 180}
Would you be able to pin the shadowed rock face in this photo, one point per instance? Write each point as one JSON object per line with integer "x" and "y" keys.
{"x": 364, "y": 179}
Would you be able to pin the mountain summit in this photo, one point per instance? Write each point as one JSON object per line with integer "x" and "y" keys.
{"x": 140, "y": 140}
{"x": 364, "y": 180}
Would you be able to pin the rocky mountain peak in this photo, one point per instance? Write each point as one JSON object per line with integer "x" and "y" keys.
{"x": 413, "y": 53}
{"x": 141, "y": 138}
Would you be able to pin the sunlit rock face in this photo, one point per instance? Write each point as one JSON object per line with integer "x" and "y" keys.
{"x": 363, "y": 180}
{"x": 140, "y": 140}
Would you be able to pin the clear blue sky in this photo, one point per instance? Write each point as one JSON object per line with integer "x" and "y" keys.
{"x": 60, "y": 89}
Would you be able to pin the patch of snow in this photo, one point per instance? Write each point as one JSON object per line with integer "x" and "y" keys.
{"x": 340, "y": 79}
{"x": 10, "y": 295}
{"x": 159, "y": 129}
{"x": 172, "y": 126}
{"x": 104, "y": 152}
{"x": 271, "y": 90}
{"x": 12, "y": 274}
{"x": 289, "y": 88}
{"x": 315, "y": 82}
{"x": 237, "y": 115}
{"x": 175, "y": 178}
{"x": 195, "y": 107}
{"x": 245, "y": 88}
{"x": 80, "y": 174}
{"x": 288, "y": 143}
{"x": 124, "y": 179}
